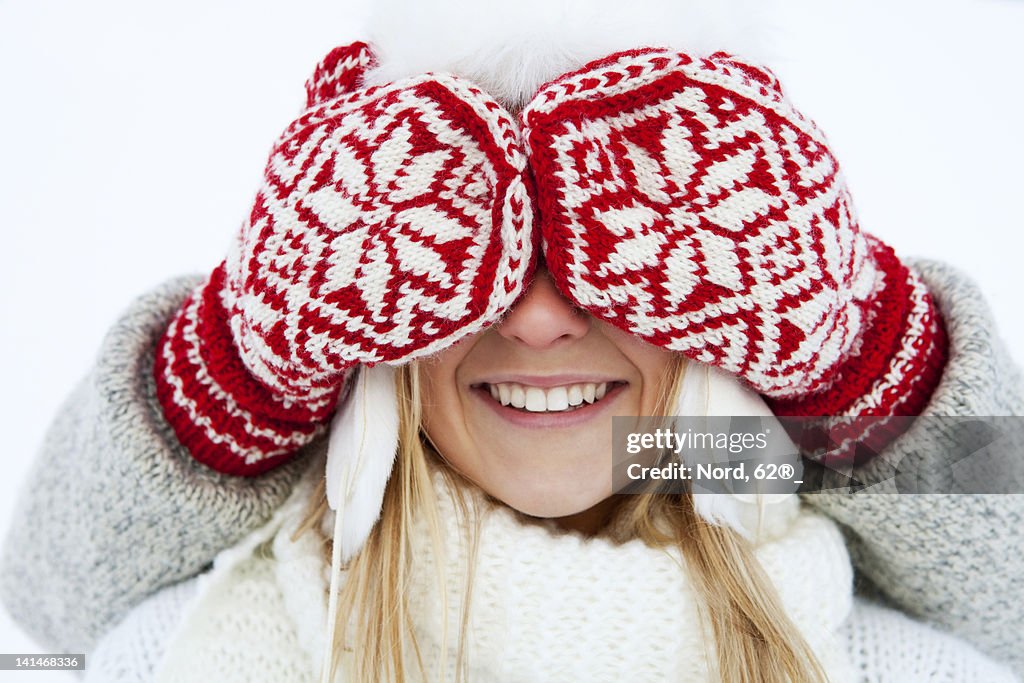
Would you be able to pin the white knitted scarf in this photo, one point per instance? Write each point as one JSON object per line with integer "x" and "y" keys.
{"x": 545, "y": 605}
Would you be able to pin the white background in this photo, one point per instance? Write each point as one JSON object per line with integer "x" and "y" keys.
{"x": 132, "y": 139}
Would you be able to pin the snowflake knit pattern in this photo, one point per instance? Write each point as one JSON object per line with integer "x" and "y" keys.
{"x": 392, "y": 222}
{"x": 686, "y": 201}
{"x": 681, "y": 199}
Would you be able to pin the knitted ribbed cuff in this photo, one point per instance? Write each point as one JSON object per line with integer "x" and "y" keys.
{"x": 893, "y": 370}
{"x": 898, "y": 361}
{"x": 226, "y": 418}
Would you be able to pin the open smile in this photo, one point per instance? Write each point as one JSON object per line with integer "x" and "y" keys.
{"x": 556, "y": 399}
{"x": 548, "y": 402}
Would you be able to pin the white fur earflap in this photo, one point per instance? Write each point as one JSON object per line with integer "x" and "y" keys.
{"x": 512, "y": 48}
{"x": 708, "y": 391}
{"x": 360, "y": 455}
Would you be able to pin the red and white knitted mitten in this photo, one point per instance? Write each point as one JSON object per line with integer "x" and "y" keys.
{"x": 686, "y": 201}
{"x": 392, "y": 222}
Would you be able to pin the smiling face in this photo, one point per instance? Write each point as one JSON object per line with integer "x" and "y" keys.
{"x": 524, "y": 408}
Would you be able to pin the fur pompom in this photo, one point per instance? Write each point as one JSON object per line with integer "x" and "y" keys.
{"x": 512, "y": 48}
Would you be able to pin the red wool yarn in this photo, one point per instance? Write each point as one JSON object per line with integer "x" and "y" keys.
{"x": 392, "y": 222}
{"x": 681, "y": 199}
{"x": 687, "y": 202}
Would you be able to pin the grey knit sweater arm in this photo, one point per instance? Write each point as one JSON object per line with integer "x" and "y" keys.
{"x": 955, "y": 560}
{"x": 114, "y": 508}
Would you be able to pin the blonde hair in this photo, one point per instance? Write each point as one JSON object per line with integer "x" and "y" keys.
{"x": 752, "y": 637}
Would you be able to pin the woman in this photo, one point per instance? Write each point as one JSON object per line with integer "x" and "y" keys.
{"x": 525, "y": 600}
{"x": 252, "y": 364}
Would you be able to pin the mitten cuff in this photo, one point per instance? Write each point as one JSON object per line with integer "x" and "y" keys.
{"x": 896, "y": 364}
{"x": 227, "y": 419}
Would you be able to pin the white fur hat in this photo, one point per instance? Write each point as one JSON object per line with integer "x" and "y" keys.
{"x": 512, "y": 48}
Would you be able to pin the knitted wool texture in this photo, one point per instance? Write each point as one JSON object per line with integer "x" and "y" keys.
{"x": 545, "y": 607}
{"x": 683, "y": 200}
{"x": 535, "y": 590}
{"x": 392, "y": 222}
{"x": 686, "y": 201}
{"x": 954, "y": 560}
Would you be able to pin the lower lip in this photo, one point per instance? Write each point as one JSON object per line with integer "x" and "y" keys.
{"x": 570, "y": 418}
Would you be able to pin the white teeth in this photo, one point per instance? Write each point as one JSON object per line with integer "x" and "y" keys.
{"x": 553, "y": 400}
{"x": 518, "y": 399}
{"x": 535, "y": 400}
{"x": 558, "y": 398}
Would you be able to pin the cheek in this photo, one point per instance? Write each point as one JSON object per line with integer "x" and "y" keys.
{"x": 657, "y": 373}
{"x": 443, "y": 411}
{"x": 653, "y": 363}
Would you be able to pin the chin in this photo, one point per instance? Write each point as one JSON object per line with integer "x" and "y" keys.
{"x": 547, "y": 503}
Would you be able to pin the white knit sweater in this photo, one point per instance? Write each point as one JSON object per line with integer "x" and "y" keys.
{"x": 546, "y": 606}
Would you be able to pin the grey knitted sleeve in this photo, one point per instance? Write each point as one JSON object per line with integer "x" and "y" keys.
{"x": 955, "y": 560}
{"x": 887, "y": 646}
{"x": 114, "y": 508}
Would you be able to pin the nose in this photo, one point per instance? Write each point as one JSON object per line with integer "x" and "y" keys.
{"x": 543, "y": 317}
